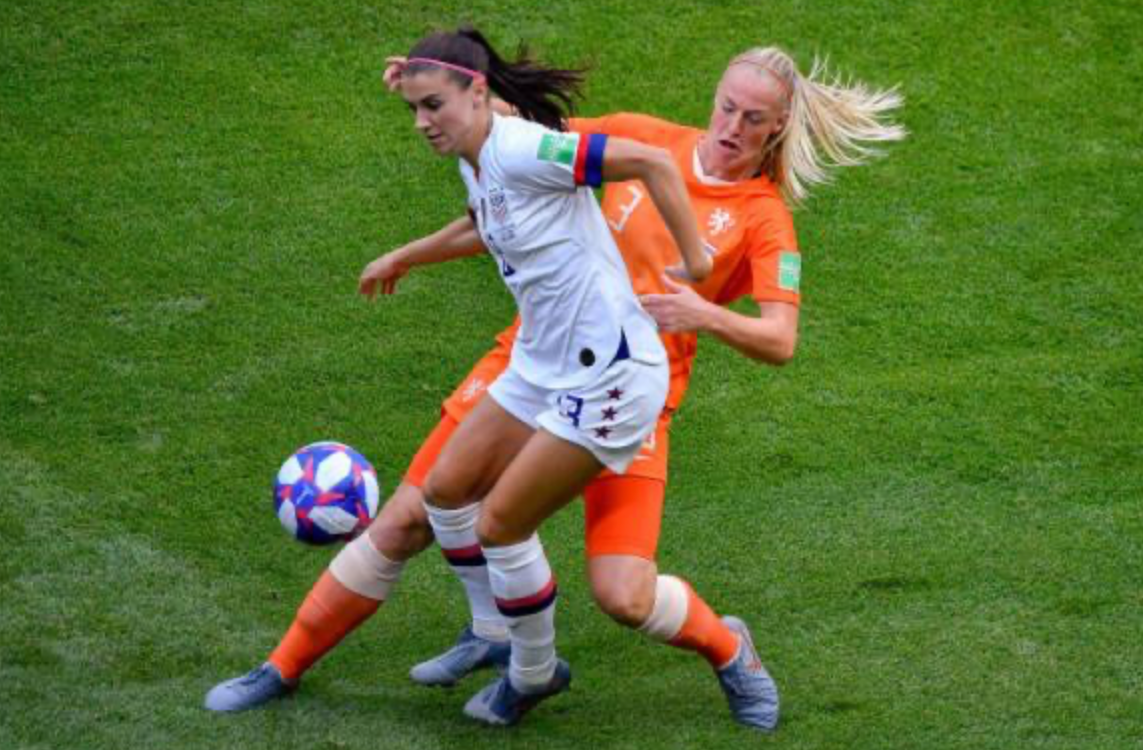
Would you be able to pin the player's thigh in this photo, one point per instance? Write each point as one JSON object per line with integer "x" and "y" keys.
{"x": 622, "y": 519}
{"x": 623, "y": 515}
{"x": 546, "y": 474}
{"x": 476, "y": 455}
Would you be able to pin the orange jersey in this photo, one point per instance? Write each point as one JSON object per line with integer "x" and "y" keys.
{"x": 745, "y": 224}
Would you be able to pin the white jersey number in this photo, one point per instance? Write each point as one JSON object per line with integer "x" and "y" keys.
{"x": 626, "y": 210}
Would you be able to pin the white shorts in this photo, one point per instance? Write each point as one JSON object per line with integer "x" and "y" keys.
{"x": 610, "y": 417}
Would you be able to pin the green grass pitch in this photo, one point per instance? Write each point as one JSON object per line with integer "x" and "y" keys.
{"x": 932, "y": 518}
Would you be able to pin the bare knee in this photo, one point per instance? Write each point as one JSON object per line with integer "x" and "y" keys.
{"x": 628, "y": 601}
{"x": 497, "y": 529}
{"x": 401, "y": 530}
{"x": 448, "y": 488}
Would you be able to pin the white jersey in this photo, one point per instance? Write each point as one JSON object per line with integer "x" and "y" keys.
{"x": 541, "y": 222}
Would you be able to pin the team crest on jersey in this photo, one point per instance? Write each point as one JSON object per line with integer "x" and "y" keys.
{"x": 720, "y": 220}
{"x": 475, "y": 387}
{"x": 789, "y": 270}
{"x": 498, "y": 203}
{"x": 558, "y": 147}
{"x": 501, "y": 229}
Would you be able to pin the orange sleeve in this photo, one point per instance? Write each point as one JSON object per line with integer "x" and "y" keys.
{"x": 642, "y": 128}
{"x": 775, "y": 262}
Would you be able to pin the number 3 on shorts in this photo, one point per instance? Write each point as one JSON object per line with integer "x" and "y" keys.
{"x": 570, "y": 407}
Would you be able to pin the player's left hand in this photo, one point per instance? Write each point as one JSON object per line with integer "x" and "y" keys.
{"x": 393, "y": 69}
{"x": 679, "y": 309}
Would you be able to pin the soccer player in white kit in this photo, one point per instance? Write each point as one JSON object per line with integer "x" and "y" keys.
{"x": 588, "y": 373}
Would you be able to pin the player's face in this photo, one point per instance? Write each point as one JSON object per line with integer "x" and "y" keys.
{"x": 749, "y": 108}
{"x": 445, "y": 114}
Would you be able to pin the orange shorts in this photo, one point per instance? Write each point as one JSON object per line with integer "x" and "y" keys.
{"x": 468, "y": 394}
{"x": 623, "y": 513}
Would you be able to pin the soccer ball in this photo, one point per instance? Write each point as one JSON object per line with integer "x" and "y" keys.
{"x": 325, "y": 493}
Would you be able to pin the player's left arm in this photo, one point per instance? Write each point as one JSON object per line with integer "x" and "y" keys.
{"x": 771, "y": 337}
{"x": 543, "y": 160}
{"x": 624, "y": 159}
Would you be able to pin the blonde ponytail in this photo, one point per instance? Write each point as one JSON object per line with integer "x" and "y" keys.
{"x": 831, "y": 123}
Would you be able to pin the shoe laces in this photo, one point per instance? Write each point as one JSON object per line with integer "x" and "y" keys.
{"x": 254, "y": 676}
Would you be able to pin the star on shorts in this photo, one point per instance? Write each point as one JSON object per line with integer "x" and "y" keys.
{"x": 615, "y": 394}
{"x": 602, "y": 432}
{"x": 609, "y": 413}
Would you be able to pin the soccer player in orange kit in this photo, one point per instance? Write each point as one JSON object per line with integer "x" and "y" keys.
{"x": 773, "y": 133}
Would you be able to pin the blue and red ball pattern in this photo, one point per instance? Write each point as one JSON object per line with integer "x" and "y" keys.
{"x": 326, "y": 492}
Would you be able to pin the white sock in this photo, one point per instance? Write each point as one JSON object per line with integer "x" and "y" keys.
{"x": 455, "y": 531}
{"x": 525, "y": 594}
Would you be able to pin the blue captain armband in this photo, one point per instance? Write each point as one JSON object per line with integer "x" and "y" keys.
{"x": 589, "y": 159}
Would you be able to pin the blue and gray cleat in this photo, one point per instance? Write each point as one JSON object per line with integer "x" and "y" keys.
{"x": 253, "y": 689}
{"x": 502, "y": 705}
{"x": 749, "y": 689}
{"x": 470, "y": 653}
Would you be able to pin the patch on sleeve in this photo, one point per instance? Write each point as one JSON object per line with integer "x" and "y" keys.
{"x": 558, "y": 147}
{"x": 789, "y": 271}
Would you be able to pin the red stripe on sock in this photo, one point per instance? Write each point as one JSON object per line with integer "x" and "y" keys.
{"x": 463, "y": 554}
{"x": 528, "y": 601}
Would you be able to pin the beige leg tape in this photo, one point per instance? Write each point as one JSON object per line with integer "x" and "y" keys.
{"x": 670, "y": 610}
{"x": 365, "y": 571}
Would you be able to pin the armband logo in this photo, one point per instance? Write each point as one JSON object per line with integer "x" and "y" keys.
{"x": 558, "y": 147}
{"x": 789, "y": 271}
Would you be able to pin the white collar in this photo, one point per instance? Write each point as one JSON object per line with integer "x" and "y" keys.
{"x": 702, "y": 176}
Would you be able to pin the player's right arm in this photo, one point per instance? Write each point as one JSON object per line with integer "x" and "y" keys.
{"x": 456, "y": 240}
{"x": 769, "y": 337}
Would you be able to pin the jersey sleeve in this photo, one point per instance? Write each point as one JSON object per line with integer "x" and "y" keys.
{"x": 643, "y": 128}
{"x": 775, "y": 261}
{"x": 545, "y": 160}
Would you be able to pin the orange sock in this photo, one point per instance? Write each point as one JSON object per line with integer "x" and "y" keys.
{"x": 705, "y": 633}
{"x": 329, "y": 613}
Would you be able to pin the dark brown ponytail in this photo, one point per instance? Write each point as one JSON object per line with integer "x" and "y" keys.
{"x": 539, "y": 93}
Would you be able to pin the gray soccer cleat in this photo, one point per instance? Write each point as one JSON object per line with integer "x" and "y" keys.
{"x": 470, "y": 653}
{"x": 502, "y": 705}
{"x": 750, "y": 691}
{"x": 253, "y": 689}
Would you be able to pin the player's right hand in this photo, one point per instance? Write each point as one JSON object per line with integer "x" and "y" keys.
{"x": 382, "y": 275}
